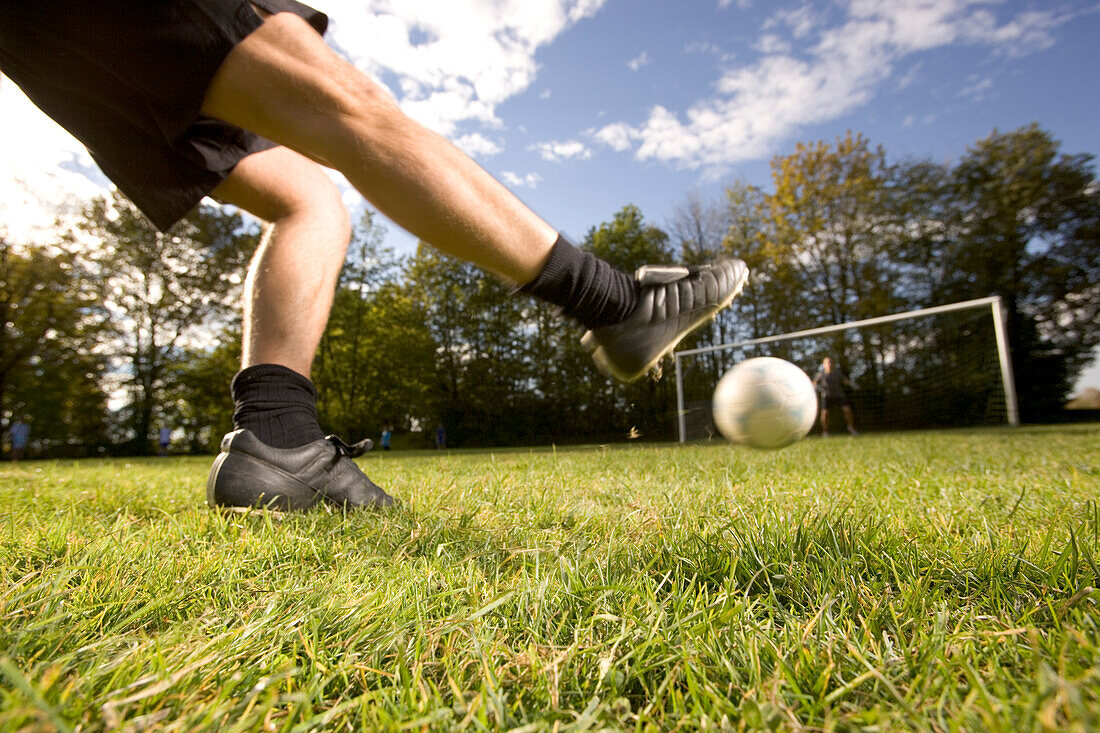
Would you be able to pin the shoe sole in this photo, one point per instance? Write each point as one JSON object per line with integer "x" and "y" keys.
{"x": 251, "y": 481}
{"x": 599, "y": 355}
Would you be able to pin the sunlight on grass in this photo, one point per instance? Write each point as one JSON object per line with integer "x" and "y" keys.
{"x": 912, "y": 581}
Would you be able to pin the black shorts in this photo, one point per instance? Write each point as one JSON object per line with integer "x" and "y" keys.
{"x": 128, "y": 77}
{"x": 833, "y": 400}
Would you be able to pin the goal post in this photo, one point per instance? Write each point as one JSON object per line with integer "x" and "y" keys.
{"x": 891, "y": 349}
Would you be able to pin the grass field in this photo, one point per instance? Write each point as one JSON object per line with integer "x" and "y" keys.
{"x": 924, "y": 581}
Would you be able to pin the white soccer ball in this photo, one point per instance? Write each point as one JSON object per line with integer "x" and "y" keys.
{"x": 765, "y": 402}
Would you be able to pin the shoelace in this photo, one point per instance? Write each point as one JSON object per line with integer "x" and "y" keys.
{"x": 351, "y": 451}
{"x": 342, "y": 448}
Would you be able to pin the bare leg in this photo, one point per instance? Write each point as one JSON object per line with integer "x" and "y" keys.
{"x": 284, "y": 83}
{"x": 849, "y": 418}
{"x": 290, "y": 283}
{"x": 824, "y": 421}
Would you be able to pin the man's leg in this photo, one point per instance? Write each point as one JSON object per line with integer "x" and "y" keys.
{"x": 849, "y": 418}
{"x": 278, "y": 456}
{"x": 284, "y": 83}
{"x": 292, "y": 278}
{"x": 288, "y": 292}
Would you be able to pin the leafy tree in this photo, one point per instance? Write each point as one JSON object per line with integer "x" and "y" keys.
{"x": 703, "y": 231}
{"x": 511, "y": 370}
{"x": 375, "y": 362}
{"x": 698, "y": 228}
{"x": 1028, "y": 228}
{"x": 648, "y": 405}
{"x": 833, "y": 220}
{"x": 49, "y": 369}
{"x": 925, "y": 224}
{"x": 161, "y": 290}
{"x": 198, "y": 399}
{"x": 765, "y": 299}
{"x": 828, "y": 212}
{"x": 628, "y": 242}
{"x": 58, "y": 394}
{"x": 481, "y": 362}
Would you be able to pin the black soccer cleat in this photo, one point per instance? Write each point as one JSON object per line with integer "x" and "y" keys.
{"x": 250, "y": 473}
{"x": 674, "y": 301}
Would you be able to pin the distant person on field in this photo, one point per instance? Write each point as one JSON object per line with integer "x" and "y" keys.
{"x": 243, "y": 101}
{"x": 830, "y": 383}
{"x": 164, "y": 439}
{"x": 387, "y": 436}
{"x": 20, "y": 432}
{"x": 440, "y": 437}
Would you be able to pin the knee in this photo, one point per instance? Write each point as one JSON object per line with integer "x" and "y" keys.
{"x": 332, "y": 215}
{"x": 320, "y": 207}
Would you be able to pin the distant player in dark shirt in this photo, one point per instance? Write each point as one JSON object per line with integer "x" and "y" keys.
{"x": 830, "y": 382}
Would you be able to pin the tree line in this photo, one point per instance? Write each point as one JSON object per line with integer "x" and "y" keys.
{"x": 119, "y": 329}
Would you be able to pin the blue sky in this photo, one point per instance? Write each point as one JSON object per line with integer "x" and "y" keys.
{"x": 583, "y": 106}
{"x": 648, "y": 65}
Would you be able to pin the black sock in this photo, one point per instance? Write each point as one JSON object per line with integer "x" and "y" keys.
{"x": 277, "y": 404}
{"x": 584, "y": 286}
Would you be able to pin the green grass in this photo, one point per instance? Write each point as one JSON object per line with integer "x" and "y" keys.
{"x": 907, "y": 582}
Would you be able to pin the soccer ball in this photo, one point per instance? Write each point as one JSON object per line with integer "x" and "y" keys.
{"x": 765, "y": 402}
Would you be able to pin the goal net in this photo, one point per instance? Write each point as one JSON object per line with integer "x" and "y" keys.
{"x": 945, "y": 366}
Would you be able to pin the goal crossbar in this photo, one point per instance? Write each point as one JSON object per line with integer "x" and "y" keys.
{"x": 993, "y": 301}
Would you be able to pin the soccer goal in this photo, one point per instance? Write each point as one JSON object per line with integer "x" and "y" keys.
{"x": 945, "y": 366}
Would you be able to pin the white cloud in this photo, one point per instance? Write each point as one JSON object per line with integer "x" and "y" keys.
{"x": 976, "y": 88}
{"x": 1026, "y": 33}
{"x": 800, "y": 21}
{"x": 771, "y": 43}
{"x": 721, "y": 56}
{"x": 557, "y": 151}
{"x": 442, "y": 109}
{"x": 907, "y": 79}
{"x": 531, "y": 180}
{"x": 759, "y": 105}
{"x": 638, "y": 61}
{"x": 453, "y": 60}
{"x": 477, "y": 146}
{"x": 923, "y": 24}
{"x": 450, "y": 63}
{"x": 618, "y": 136}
